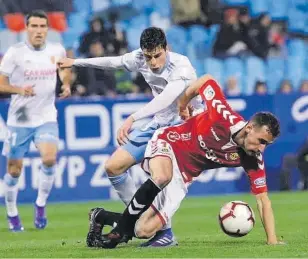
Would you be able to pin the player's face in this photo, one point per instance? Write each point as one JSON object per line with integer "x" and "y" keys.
{"x": 156, "y": 59}
{"x": 37, "y": 31}
{"x": 256, "y": 139}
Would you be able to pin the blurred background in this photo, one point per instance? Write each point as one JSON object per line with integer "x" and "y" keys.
{"x": 256, "y": 49}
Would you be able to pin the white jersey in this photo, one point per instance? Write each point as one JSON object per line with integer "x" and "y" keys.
{"x": 177, "y": 68}
{"x": 25, "y": 66}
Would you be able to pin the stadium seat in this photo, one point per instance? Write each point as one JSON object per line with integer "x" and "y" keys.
{"x": 162, "y": 7}
{"x": 121, "y": 2}
{"x": 159, "y": 21}
{"x": 54, "y": 36}
{"x": 139, "y": 21}
{"x": 278, "y": 9}
{"x": 296, "y": 47}
{"x": 199, "y": 66}
{"x": 214, "y": 67}
{"x": 299, "y": 4}
{"x": 133, "y": 35}
{"x": 100, "y": 5}
{"x": 177, "y": 34}
{"x": 143, "y": 5}
{"x": 258, "y": 7}
{"x": 71, "y": 38}
{"x": 275, "y": 73}
{"x": 78, "y": 21}
{"x": 212, "y": 35}
{"x": 82, "y": 6}
{"x": 255, "y": 70}
{"x": 57, "y": 21}
{"x": 234, "y": 67}
{"x": 15, "y": 21}
{"x": 235, "y": 2}
{"x": 2, "y": 24}
{"x": 296, "y": 21}
{"x": 197, "y": 33}
{"x": 7, "y": 39}
{"x": 295, "y": 70}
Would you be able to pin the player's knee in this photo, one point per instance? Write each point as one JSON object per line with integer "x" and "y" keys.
{"x": 14, "y": 167}
{"x": 113, "y": 168}
{"x": 49, "y": 160}
{"x": 162, "y": 178}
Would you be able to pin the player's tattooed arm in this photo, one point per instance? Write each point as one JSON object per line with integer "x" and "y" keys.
{"x": 5, "y": 87}
{"x": 191, "y": 92}
{"x": 65, "y": 75}
{"x": 267, "y": 217}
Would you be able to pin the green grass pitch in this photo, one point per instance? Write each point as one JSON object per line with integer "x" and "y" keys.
{"x": 195, "y": 226}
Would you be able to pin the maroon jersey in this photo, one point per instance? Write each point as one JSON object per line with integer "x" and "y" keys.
{"x": 205, "y": 141}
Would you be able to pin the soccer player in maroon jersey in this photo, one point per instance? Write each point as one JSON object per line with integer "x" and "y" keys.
{"x": 218, "y": 137}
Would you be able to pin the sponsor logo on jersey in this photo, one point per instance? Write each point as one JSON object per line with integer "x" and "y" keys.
{"x": 259, "y": 182}
{"x": 234, "y": 156}
{"x": 173, "y": 136}
{"x": 214, "y": 134}
{"x": 209, "y": 93}
{"x": 186, "y": 136}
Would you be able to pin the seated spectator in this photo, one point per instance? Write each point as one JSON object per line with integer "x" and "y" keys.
{"x": 285, "y": 87}
{"x": 97, "y": 33}
{"x": 232, "y": 88}
{"x": 187, "y": 12}
{"x": 117, "y": 42}
{"x": 291, "y": 161}
{"x": 229, "y": 40}
{"x": 97, "y": 81}
{"x": 304, "y": 87}
{"x": 261, "y": 88}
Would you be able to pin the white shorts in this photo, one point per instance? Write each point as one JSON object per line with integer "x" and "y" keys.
{"x": 169, "y": 199}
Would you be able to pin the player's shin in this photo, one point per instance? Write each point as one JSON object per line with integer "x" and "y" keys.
{"x": 11, "y": 192}
{"x": 141, "y": 201}
{"x": 46, "y": 180}
{"x": 124, "y": 186}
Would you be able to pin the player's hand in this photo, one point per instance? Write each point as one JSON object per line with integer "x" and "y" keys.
{"x": 66, "y": 92}
{"x": 122, "y": 135}
{"x": 65, "y": 62}
{"x": 186, "y": 113}
{"x": 26, "y": 91}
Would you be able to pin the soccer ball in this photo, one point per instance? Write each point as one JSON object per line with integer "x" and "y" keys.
{"x": 236, "y": 218}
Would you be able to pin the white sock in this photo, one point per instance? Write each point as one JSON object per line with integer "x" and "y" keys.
{"x": 46, "y": 179}
{"x": 124, "y": 186}
{"x": 10, "y": 193}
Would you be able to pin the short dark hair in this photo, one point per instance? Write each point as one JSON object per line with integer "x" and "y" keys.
{"x": 152, "y": 38}
{"x": 267, "y": 119}
{"x": 36, "y": 13}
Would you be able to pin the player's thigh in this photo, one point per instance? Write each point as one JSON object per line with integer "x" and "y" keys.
{"x": 17, "y": 142}
{"x": 46, "y": 138}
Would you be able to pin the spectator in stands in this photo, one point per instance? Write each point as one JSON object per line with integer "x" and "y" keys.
{"x": 259, "y": 36}
{"x": 117, "y": 42}
{"x": 97, "y": 81}
{"x": 261, "y": 88}
{"x": 229, "y": 40}
{"x": 97, "y": 33}
{"x": 291, "y": 161}
{"x": 232, "y": 88}
{"x": 304, "y": 87}
{"x": 285, "y": 87}
{"x": 187, "y": 12}
{"x": 277, "y": 39}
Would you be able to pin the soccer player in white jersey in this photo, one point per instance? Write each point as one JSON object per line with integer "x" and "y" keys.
{"x": 29, "y": 72}
{"x": 168, "y": 75}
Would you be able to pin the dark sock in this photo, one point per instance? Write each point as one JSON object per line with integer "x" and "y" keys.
{"x": 107, "y": 217}
{"x": 141, "y": 201}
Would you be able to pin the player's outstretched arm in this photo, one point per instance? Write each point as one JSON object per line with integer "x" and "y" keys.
{"x": 267, "y": 217}
{"x": 192, "y": 91}
{"x": 65, "y": 75}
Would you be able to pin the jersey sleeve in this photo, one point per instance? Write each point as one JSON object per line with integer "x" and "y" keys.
{"x": 216, "y": 103}
{"x": 255, "y": 169}
{"x": 8, "y": 63}
{"x": 132, "y": 60}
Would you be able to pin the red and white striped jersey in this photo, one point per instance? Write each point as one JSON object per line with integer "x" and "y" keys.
{"x": 205, "y": 141}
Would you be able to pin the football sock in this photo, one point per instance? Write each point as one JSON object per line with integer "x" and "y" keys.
{"x": 141, "y": 201}
{"x": 10, "y": 193}
{"x": 46, "y": 179}
{"x": 124, "y": 186}
{"x": 107, "y": 217}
